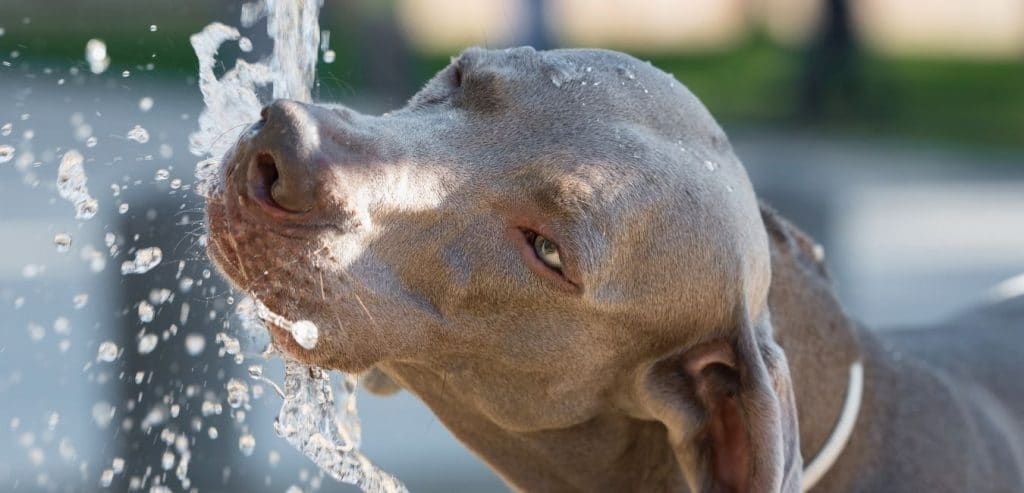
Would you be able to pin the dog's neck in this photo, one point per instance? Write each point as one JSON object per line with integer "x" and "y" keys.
{"x": 820, "y": 341}
{"x": 618, "y": 452}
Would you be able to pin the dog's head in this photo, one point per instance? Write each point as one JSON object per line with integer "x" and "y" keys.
{"x": 558, "y": 233}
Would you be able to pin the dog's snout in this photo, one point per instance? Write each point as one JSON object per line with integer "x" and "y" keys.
{"x": 284, "y": 168}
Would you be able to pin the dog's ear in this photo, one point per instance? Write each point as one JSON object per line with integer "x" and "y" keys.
{"x": 730, "y": 414}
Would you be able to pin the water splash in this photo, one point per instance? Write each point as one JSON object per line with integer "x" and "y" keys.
{"x": 308, "y": 419}
{"x": 71, "y": 185}
{"x": 145, "y": 260}
{"x": 138, "y": 134}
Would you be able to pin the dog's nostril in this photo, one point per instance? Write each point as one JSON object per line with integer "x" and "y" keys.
{"x": 266, "y": 174}
{"x": 272, "y": 188}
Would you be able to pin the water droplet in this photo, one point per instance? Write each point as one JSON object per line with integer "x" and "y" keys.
{"x": 330, "y": 56}
{"x": 195, "y": 343}
{"x": 167, "y": 460}
{"x": 148, "y": 343}
{"x": 325, "y": 39}
{"x": 122, "y": 208}
{"x": 152, "y": 28}
{"x": 710, "y": 165}
{"x": 145, "y": 260}
{"x": 107, "y": 352}
{"x": 103, "y": 413}
{"x": 238, "y": 393}
{"x": 138, "y": 134}
{"x": 162, "y": 174}
{"x": 96, "y": 55}
{"x": 245, "y": 44}
{"x": 146, "y": 312}
{"x": 80, "y": 300}
{"x": 6, "y": 129}
{"x": 819, "y": 252}
{"x": 212, "y": 432}
{"x": 146, "y": 104}
{"x": 117, "y": 465}
{"x": 175, "y": 183}
{"x": 247, "y": 444}
{"x": 210, "y": 408}
{"x": 626, "y": 72}
{"x": 305, "y": 333}
{"x": 90, "y": 142}
{"x": 255, "y": 371}
{"x": 63, "y": 242}
{"x": 36, "y": 332}
{"x": 62, "y": 326}
{"x": 559, "y": 72}
{"x": 71, "y": 186}
{"x": 126, "y": 74}
{"x": 6, "y": 153}
{"x": 159, "y": 296}
{"x": 106, "y": 477}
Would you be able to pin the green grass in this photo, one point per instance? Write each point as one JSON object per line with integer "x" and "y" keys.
{"x": 979, "y": 103}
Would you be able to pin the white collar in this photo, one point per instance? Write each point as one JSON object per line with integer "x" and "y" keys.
{"x": 829, "y": 452}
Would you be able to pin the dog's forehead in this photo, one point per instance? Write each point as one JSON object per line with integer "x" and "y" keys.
{"x": 594, "y": 86}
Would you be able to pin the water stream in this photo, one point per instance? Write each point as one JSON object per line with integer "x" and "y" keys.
{"x": 322, "y": 425}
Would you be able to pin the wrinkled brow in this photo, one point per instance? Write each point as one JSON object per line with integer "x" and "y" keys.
{"x": 564, "y": 196}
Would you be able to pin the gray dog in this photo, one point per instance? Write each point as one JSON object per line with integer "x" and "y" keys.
{"x": 560, "y": 254}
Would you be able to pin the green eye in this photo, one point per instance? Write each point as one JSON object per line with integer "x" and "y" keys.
{"x": 547, "y": 252}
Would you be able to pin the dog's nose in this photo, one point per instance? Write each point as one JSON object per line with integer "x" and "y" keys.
{"x": 287, "y": 159}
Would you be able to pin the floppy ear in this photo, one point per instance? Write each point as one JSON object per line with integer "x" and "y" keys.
{"x": 729, "y": 409}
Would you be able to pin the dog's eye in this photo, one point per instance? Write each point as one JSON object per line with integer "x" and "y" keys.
{"x": 547, "y": 252}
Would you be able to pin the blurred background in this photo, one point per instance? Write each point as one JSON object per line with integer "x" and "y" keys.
{"x": 890, "y": 130}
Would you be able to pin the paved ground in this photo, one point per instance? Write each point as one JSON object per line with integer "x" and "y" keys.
{"x": 913, "y": 233}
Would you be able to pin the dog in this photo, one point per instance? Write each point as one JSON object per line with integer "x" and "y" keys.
{"x": 560, "y": 254}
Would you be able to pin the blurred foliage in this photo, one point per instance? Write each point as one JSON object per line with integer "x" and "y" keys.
{"x": 971, "y": 102}
{"x": 974, "y": 103}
